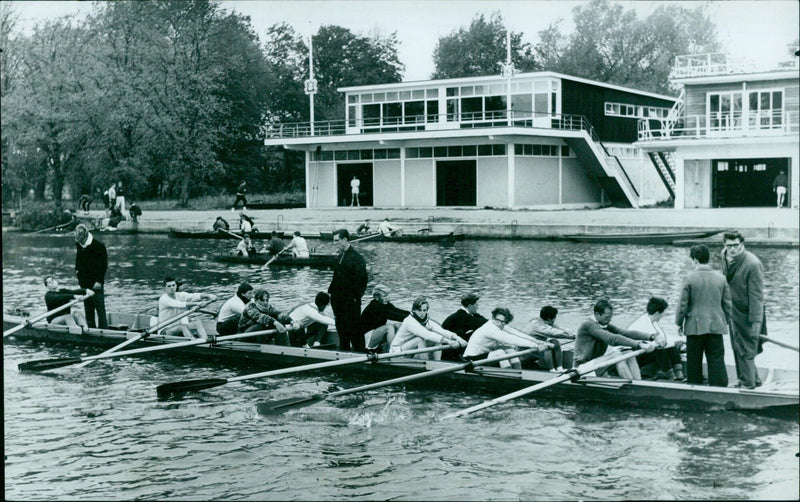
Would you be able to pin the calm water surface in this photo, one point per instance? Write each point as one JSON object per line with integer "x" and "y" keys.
{"x": 99, "y": 433}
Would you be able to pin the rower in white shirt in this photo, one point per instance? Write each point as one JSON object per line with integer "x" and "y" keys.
{"x": 313, "y": 320}
{"x": 173, "y": 303}
{"x": 418, "y": 331}
{"x": 231, "y": 310}
{"x": 491, "y": 341}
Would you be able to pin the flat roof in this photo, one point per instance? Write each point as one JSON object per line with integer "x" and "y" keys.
{"x": 423, "y": 84}
{"x": 788, "y": 74}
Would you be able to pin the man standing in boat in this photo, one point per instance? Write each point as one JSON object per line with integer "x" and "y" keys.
{"x": 91, "y": 262}
{"x": 346, "y": 289}
{"x": 745, "y": 276}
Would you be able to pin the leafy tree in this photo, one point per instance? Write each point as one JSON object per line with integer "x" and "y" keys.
{"x": 480, "y": 50}
{"x": 613, "y": 45}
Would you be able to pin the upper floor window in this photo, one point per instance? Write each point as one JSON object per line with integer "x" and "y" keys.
{"x": 635, "y": 111}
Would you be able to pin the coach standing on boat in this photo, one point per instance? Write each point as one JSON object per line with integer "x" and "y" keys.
{"x": 91, "y": 262}
{"x": 346, "y": 289}
{"x": 745, "y": 276}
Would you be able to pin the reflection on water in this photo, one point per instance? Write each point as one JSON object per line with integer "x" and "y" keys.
{"x": 102, "y": 431}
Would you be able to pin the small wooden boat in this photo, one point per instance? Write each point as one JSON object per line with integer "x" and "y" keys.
{"x": 407, "y": 238}
{"x": 207, "y": 234}
{"x": 314, "y": 260}
{"x": 641, "y": 237}
{"x": 778, "y": 396}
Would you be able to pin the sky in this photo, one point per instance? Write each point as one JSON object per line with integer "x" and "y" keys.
{"x": 754, "y": 29}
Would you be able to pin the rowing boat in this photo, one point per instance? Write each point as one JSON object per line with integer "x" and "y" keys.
{"x": 182, "y": 234}
{"x": 641, "y": 237}
{"x": 314, "y": 260}
{"x": 407, "y": 238}
{"x": 777, "y": 397}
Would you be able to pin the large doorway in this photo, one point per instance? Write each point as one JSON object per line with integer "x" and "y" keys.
{"x": 344, "y": 176}
{"x": 746, "y": 182}
{"x": 456, "y": 183}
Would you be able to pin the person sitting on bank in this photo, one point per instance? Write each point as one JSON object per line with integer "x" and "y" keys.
{"x": 173, "y": 303}
{"x": 417, "y": 331}
{"x": 245, "y": 247}
{"x": 220, "y": 224}
{"x": 56, "y": 297}
{"x": 312, "y": 320}
{"x": 298, "y": 246}
{"x": 276, "y": 244}
{"x": 231, "y": 310}
{"x": 259, "y": 315}
{"x": 363, "y": 229}
{"x": 595, "y": 335}
{"x": 135, "y": 211}
{"x": 115, "y": 219}
{"x": 463, "y": 322}
{"x": 389, "y": 230}
{"x": 666, "y": 360}
{"x": 380, "y": 320}
{"x": 544, "y": 328}
{"x": 491, "y": 341}
{"x": 84, "y": 202}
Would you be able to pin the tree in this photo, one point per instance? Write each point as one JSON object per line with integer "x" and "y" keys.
{"x": 480, "y": 50}
{"x": 612, "y": 45}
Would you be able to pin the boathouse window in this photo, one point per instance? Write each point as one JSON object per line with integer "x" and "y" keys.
{"x": 413, "y": 112}
{"x": 641, "y": 112}
{"x": 537, "y": 150}
{"x": 766, "y": 109}
{"x": 433, "y": 111}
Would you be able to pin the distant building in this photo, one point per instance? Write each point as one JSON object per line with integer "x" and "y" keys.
{"x": 732, "y": 130}
{"x": 536, "y": 140}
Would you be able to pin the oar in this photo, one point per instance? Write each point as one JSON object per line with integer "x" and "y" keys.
{"x": 147, "y": 332}
{"x": 266, "y": 265}
{"x": 776, "y": 342}
{"x": 376, "y": 234}
{"x": 277, "y": 407}
{"x": 207, "y": 383}
{"x": 572, "y": 374}
{"x": 39, "y": 317}
{"x": 231, "y": 233}
{"x": 62, "y": 225}
{"x": 49, "y": 364}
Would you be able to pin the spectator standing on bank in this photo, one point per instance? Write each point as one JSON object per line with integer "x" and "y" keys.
{"x": 91, "y": 262}
{"x": 120, "y": 203}
{"x": 346, "y": 289}
{"x": 240, "y": 191}
{"x": 779, "y": 186}
{"x": 355, "y": 187}
{"x": 112, "y": 197}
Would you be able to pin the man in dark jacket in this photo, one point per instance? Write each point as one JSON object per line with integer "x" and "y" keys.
{"x": 346, "y": 289}
{"x": 380, "y": 319}
{"x": 91, "y": 262}
{"x": 56, "y": 297}
{"x": 463, "y": 322}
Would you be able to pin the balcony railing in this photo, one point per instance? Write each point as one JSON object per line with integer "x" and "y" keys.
{"x": 707, "y": 65}
{"x": 720, "y": 125}
{"x": 438, "y": 122}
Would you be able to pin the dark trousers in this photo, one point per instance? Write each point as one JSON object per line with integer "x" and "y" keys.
{"x": 314, "y": 332}
{"x": 711, "y": 345}
{"x": 279, "y": 338}
{"x": 665, "y": 359}
{"x": 228, "y": 326}
{"x": 348, "y": 323}
{"x": 549, "y": 358}
{"x": 96, "y": 303}
{"x": 240, "y": 197}
{"x": 745, "y": 349}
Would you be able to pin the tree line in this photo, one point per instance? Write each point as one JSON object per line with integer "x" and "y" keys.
{"x": 175, "y": 98}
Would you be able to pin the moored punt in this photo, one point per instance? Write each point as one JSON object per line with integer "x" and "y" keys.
{"x": 204, "y": 234}
{"x": 314, "y": 260}
{"x": 418, "y": 237}
{"x": 641, "y": 237}
{"x": 777, "y": 397}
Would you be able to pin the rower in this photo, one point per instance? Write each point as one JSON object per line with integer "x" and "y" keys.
{"x": 276, "y": 244}
{"x": 463, "y": 322}
{"x": 667, "y": 360}
{"x": 389, "y": 230}
{"x": 245, "y": 247}
{"x": 491, "y": 341}
{"x": 380, "y": 320}
{"x": 231, "y": 310}
{"x": 259, "y": 315}
{"x": 245, "y": 223}
{"x": 56, "y": 297}
{"x": 544, "y": 328}
{"x": 220, "y": 224}
{"x": 363, "y": 229}
{"x": 418, "y": 331}
{"x": 313, "y": 321}
{"x": 173, "y": 303}
{"x": 298, "y": 246}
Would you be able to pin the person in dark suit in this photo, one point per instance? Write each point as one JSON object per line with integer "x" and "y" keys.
{"x": 704, "y": 313}
{"x": 463, "y": 322}
{"x": 91, "y": 262}
{"x": 346, "y": 289}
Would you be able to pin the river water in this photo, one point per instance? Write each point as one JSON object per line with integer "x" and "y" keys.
{"x": 100, "y": 433}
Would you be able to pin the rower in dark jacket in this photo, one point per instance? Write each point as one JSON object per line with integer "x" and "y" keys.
{"x": 463, "y": 322}
{"x": 91, "y": 262}
{"x": 56, "y": 297}
{"x": 380, "y": 319}
{"x": 346, "y": 289}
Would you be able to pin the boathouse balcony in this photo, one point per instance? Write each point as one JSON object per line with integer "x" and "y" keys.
{"x": 718, "y": 64}
{"x": 721, "y": 125}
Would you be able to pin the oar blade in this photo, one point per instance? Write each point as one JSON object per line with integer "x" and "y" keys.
{"x": 48, "y": 364}
{"x": 171, "y": 388}
{"x": 268, "y": 408}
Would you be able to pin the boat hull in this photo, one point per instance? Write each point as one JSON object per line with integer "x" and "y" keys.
{"x": 407, "y": 238}
{"x": 641, "y": 238}
{"x": 180, "y": 234}
{"x": 778, "y": 397}
{"x": 315, "y": 260}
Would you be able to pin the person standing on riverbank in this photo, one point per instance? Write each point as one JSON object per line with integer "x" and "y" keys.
{"x": 745, "y": 276}
{"x": 346, "y": 289}
{"x": 240, "y": 191}
{"x": 703, "y": 316}
{"x": 91, "y": 262}
{"x": 355, "y": 187}
{"x": 779, "y": 186}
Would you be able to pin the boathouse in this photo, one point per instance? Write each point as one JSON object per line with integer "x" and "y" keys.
{"x": 732, "y": 130}
{"x": 532, "y": 140}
